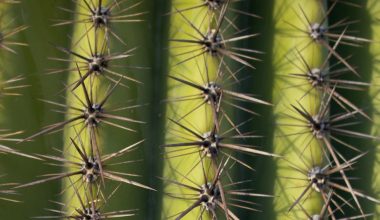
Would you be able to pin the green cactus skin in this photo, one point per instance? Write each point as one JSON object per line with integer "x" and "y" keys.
{"x": 201, "y": 119}
{"x": 109, "y": 138}
{"x": 31, "y": 63}
{"x": 152, "y": 60}
{"x": 285, "y": 94}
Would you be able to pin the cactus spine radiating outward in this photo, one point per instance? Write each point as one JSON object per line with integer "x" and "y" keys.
{"x": 315, "y": 168}
{"x": 88, "y": 167}
{"x": 186, "y": 165}
{"x": 92, "y": 82}
{"x": 202, "y": 137}
{"x": 311, "y": 150}
{"x": 81, "y": 134}
{"x": 298, "y": 146}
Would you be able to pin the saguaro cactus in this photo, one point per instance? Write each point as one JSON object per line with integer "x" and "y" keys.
{"x": 293, "y": 96}
{"x": 153, "y": 119}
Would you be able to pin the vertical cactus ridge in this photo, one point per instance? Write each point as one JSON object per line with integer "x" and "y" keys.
{"x": 316, "y": 130}
{"x": 314, "y": 143}
{"x": 202, "y": 136}
{"x": 87, "y": 107}
{"x": 91, "y": 84}
{"x": 81, "y": 133}
{"x": 293, "y": 140}
{"x": 184, "y": 165}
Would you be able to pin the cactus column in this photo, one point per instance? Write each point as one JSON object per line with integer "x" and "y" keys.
{"x": 292, "y": 48}
{"x": 186, "y": 163}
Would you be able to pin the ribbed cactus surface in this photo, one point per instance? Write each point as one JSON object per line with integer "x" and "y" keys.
{"x": 189, "y": 109}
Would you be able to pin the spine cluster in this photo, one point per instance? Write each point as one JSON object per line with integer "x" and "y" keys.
{"x": 203, "y": 140}
{"x": 87, "y": 165}
{"x": 313, "y": 179}
{"x": 209, "y": 147}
